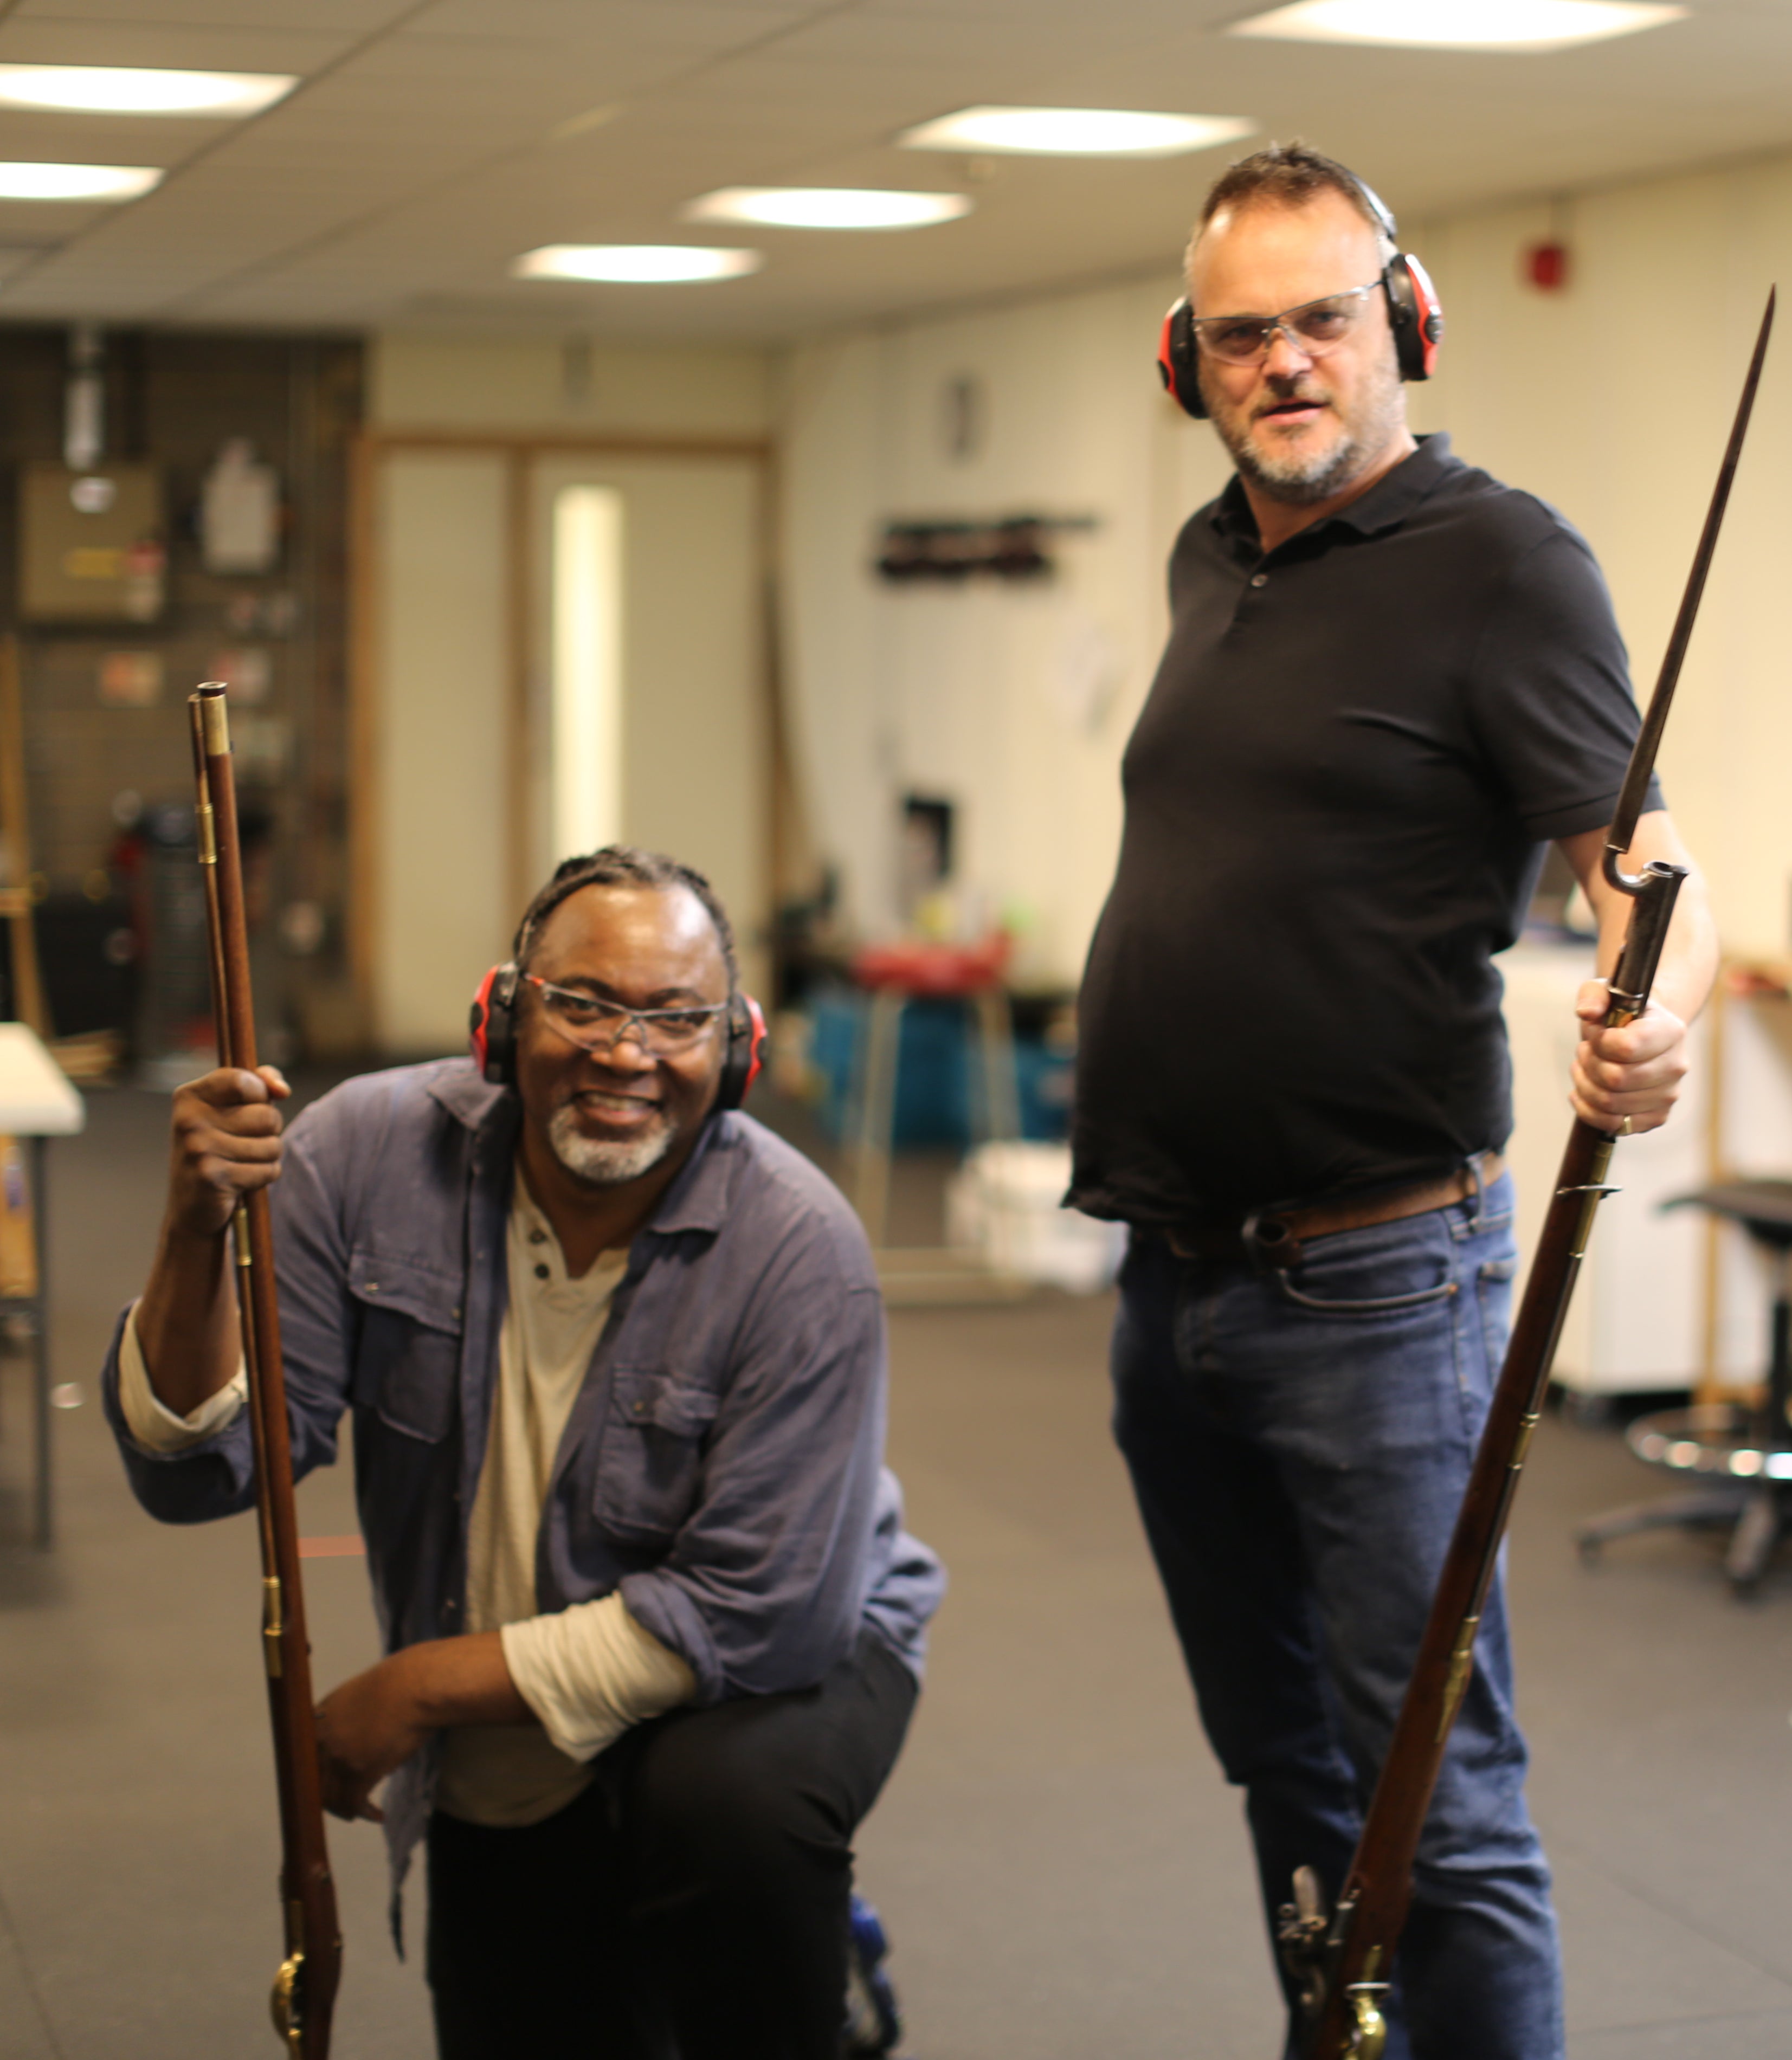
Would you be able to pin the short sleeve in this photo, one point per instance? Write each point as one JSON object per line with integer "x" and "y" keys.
{"x": 1550, "y": 694}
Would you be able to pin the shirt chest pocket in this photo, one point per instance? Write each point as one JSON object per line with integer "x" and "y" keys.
{"x": 407, "y": 1362}
{"x": 650, "y": 1463}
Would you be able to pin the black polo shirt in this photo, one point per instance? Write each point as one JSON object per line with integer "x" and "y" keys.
{"x": 1336, "y": 797}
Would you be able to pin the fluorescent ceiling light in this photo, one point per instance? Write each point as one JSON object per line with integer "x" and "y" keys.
{"x": 133, "y": 89}
{"x": 25, "y": 181}
{"x": 1075, "y": 132}
{"x": 1462, "y": 24}
{"x": 634, "y": 264}
{"x": 827, "y": 207}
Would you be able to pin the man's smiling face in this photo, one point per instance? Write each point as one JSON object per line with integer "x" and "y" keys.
{"x": 610, "y": 1116}
{"x": 1299, "y": 429}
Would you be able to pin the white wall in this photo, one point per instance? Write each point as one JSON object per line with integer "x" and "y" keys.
{"x": 439, "y": 897}
{"x": 971, "y": 692}
{"x": 539, "y": 383}
{"x": 1611, "y": 399}
{"x": 694, "y": 778}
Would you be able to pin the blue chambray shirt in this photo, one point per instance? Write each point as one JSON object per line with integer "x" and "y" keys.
{"x": 722, "y": 1466}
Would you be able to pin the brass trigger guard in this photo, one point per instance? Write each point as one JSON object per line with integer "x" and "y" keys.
{"x": 284, "y": 2003}
{"x": 1369, "y": 2033}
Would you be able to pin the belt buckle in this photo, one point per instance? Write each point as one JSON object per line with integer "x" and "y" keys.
{"x": 1272, "y": 1247}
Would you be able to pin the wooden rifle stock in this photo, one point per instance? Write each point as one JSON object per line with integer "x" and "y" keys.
{"x": 1342, "y": 1961}
{"x": 304, "y": 1988}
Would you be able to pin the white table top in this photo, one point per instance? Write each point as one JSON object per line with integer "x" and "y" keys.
{"x": 36, "y": 1100}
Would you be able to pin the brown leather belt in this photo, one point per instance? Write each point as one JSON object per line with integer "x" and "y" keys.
{"x": 1273, "y": 1237}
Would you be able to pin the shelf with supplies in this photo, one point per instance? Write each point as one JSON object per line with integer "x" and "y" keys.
{"x": 1667, "y": 1299}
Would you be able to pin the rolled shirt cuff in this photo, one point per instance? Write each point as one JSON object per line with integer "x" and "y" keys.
{"x": 150, "y": 1421}
{"x": 590, "y": 1671}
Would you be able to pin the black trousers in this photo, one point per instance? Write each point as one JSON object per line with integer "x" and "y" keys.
{"x": 691, "y": 1905}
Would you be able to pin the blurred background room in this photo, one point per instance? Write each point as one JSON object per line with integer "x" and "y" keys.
{"x": 730, "y": 427}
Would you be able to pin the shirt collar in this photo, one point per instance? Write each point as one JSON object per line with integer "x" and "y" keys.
{"x": 698, "y": 1200}
{"x": 472, "y": 1100}
{"x": 1386, "y": 504}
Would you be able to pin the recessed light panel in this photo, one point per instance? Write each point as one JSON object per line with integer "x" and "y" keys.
{"x": 28, "y": 181}
{"x": 1462, "y": 24}
{"x": 133, "y": 89}
{"x": 827, "y": 207}
{"x": 1075, "y": 132}
{"x": 635, "y": 263}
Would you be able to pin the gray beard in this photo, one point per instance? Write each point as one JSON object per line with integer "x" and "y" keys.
{"x": 597, "y": 1164}
{"x": 1300, "y": 479}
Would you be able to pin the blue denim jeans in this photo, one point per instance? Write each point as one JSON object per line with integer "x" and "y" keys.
{"x": 1298, "y": 1442}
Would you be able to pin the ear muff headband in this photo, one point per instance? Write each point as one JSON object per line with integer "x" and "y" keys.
{"x": 1414, "y": 311}
{"x": 492, "y": 1035}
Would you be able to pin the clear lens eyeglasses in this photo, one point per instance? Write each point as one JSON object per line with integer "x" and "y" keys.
{"x": 594, "y": 1025}
{"x": 1315, "y": 328}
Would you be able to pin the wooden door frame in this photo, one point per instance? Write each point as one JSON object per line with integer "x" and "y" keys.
{"x": 520, "y": 449}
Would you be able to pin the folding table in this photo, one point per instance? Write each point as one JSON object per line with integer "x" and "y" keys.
{"x": 37, "y": 1103}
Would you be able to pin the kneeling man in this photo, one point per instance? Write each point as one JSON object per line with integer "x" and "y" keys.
{"x": 615, "y": 1359}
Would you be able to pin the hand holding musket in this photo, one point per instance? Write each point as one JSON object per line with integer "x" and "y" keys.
{"x": 215, "y": 1151}
{"x": 1342, "y": 1962}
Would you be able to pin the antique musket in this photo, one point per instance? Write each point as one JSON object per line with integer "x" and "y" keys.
{"x": 1341, "y": 1961}
{"x": 305, "y": 1987}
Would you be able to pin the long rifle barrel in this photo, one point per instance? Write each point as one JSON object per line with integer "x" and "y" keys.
{"x": 1342, "y": 1961}
{"x": 304, "y": 1988}
{"x": 1635, "y": 788}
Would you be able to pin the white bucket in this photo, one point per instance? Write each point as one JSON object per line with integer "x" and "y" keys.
{"x": 1005, "y": 1203}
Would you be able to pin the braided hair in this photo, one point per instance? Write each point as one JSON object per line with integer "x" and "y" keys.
{"x": 625, "y": 865}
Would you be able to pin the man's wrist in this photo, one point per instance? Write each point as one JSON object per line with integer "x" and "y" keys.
{"x": 186, "y": 1235}
{"x": 463, "y": 1680}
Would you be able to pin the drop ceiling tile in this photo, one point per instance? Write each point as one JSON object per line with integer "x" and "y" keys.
{"x": 953, "y": 42}
{"x": 184, "y": 45}
{"x": 690, "y": 24}
{"x": 1025, "y": 18}
{"x": 770, "y": 81}
{"x": 359, "y": 17}
{"x": 47, "y": 222}
{"x": 666, "y": 126}
{"x": 430, "y": 63}
{"x": 401, "y": 185}
{"x": 103, "y": 139}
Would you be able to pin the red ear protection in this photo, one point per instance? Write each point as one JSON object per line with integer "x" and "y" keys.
{"x": 1418, "y": 316}
{"x": 1413, "y": 308}
{"x": 492, "y": 1024}
{"x": 746, "y": 1044}
{"x": 1177, "y": 362}
{"x": 492, "y": 1035}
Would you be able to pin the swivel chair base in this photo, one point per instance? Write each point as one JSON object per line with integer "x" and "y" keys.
{"x": 1757, "y": 1513}
{"x": 1743, "y": 1457}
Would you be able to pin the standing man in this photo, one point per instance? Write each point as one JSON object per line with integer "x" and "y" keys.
{"x": 614, "y": 1356}
{"x": 1390, "y": 681}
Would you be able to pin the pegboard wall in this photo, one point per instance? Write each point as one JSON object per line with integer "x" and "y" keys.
{"x": 106, "y": 723}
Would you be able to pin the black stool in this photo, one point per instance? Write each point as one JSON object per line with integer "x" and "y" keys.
{"x": 1743, "y": 1456}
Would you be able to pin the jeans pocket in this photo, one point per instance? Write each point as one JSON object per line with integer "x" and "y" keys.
{"x": 1383, "y": 1271}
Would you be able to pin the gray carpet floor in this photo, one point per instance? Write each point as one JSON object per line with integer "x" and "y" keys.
{"x": 1062, "y": 1873}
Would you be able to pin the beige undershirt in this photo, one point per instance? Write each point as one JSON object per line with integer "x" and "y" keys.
{"x": 587, "y": 1672}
